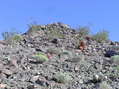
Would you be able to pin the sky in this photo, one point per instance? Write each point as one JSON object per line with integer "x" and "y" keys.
{"x": 97, "y": 14}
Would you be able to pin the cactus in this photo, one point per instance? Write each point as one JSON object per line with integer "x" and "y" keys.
{"x": 62, "y": 77}
{"x": 115, "y": 59}
{"x": 40, "y": 57}
{"x": 104, "y": 85}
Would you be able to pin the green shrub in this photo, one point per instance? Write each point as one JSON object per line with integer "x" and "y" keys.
{"x": 40, "y": 57}
{"x": 101, "y": 36}
{"x": 115, "y": 59}
{"x": 17, "y": 38}
{"x": 104, "y": 85}
{"x": 62, "y": 77}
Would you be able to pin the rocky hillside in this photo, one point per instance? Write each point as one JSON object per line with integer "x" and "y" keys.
{"x": 55, "y": 56}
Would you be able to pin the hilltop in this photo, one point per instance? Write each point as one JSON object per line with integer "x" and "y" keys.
{"x": 56, "y": 56}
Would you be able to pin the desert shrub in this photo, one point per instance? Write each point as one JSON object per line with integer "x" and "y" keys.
{"x": 36, "y": 28}
{"x": 33, "y": 26}
{"x": 101, "y": 36}
{"x": 104, "y": 85}
{"x": 7, "y": 35}
{"x": 17, "y": 38}
{"x": 40, "y": 57}
{"x": 54, "y": 50}
{"x": 83, "y": 31}
{"x": 62, "y": 77}
{"x": 115, "y": 59}
{"x": 54, "y": 33}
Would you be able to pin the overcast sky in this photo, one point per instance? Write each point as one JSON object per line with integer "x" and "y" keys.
{"x": 98, "y": 14}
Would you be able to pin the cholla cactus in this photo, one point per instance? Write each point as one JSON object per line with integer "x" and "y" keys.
{"x": 104, "y": 85}
{"x": 62, "y": 77}
{"x": 40, "y": 57}
{"x": 115, "y": 59}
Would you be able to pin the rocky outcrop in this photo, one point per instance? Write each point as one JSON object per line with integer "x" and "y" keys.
{"x": 80, "y": 63}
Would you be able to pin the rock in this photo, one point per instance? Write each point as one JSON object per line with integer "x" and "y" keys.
{"x": 82, "y": 45}
{"x": 14, "y": 62}
{"x": 76, "y": 59}
{"x": 3, "y": 85}
{"x": 76, "y": 69}
{"x": 96, "y": 79}
{"x": 34, "y": 78}
{"x": 31, "y": 87}
{"x": 7, "y": 72}
{"x": 1, "y": 66}
{"x": 55, "y": 41}
{"x": 3, "y": 42}
{"x": 42, "y": 82}
{"x": 54, "y": 51}
{"x": 41, "y": 49}
{"x": 3, "y": 76}
{"x": 81, "y": 81}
